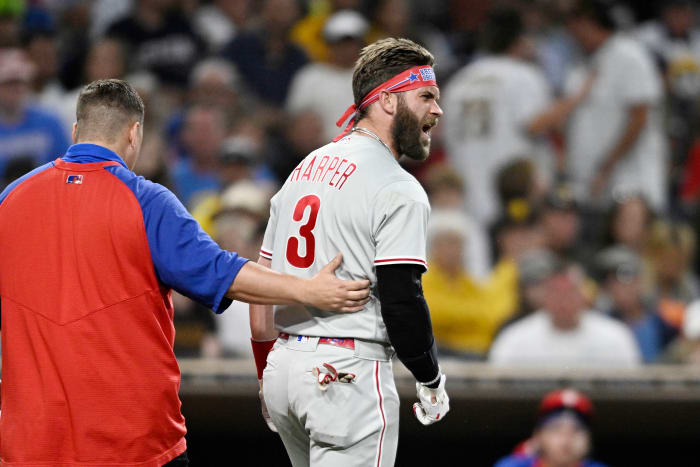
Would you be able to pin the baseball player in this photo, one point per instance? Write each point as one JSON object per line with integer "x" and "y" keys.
{"x": 328, "y": 383}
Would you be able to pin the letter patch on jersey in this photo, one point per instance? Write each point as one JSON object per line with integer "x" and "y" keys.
{"x": 74, "y": 180}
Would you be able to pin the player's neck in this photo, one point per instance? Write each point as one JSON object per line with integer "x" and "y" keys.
{"x": 118, "y": 149}
{"x": 383, "y": 132}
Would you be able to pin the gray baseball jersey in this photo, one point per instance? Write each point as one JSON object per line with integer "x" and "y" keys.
{"x": 350, "y": 197}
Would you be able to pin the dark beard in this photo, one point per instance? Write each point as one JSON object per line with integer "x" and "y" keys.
{"x": 406, "y": 131}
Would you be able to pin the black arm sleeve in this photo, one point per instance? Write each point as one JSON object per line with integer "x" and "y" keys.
{"x": 407, "y": 319}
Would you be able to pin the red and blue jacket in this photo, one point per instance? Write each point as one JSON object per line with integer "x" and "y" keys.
{"x": 90, "y": 253}
{"x": 518, "y": 460}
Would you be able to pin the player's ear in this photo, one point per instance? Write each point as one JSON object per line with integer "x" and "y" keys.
{"x": 388, "y": 101}
{"x": 135, "y": 134}
{"x": 74, "y": 133}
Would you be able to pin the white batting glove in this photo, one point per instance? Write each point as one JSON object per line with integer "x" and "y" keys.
{"x": 433, "y": 404}
{"x": 263, "y": 409}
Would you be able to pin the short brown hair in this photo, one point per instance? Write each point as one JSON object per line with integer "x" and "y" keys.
{"x": 382, "y": 60}
{"x": 105, "y": 106}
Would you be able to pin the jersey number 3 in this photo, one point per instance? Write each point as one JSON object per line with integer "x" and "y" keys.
{"x": 305, "y": 231}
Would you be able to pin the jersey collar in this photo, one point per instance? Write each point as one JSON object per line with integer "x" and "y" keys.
{"x": 86, "y": 153}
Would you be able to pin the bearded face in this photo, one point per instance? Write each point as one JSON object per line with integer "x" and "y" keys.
{"x": 411, "y": 135}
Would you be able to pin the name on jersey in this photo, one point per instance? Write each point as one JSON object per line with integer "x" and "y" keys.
{"x": 324, "y": 169}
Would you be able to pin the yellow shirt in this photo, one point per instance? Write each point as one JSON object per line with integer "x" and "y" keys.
{"x": 466, "y": 313}
{"x": 204, "y": 212}
{"x": 308, "y": 33}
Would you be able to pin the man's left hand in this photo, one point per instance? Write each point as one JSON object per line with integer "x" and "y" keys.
{"x": 433, "y": 404}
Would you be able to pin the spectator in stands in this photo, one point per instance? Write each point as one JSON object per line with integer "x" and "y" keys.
{"x": 302, "y": 134}
{"x": 197, "y": 172}
{"x": 445, "y": 187}
{"x": 308, "y": 31}
{"x": 239, "y": 164}
{"x": 628, "y": 223}
{"x": 674, "y": 40}
{"x": 497, "y": 109}
{"x": 465, "y": 312}
{"x": 620, "y": 271}
{"x": 264, "y": 56}
{"x": 564, "y": 333}
{"x": 105, "y": 59}
{"x": 240, "y": 160}
{"x": 534, "y": 267}
{"x": 686, "y": 348}
{"x": 10, "y": 16}
{"x": 671, "y": 249}
{"x": 615, "y": 142}
{"x": 326, "y": 87}
{"x": 488, "y": 105}
{"x": 27, "y": 133}
{"x": 562, "y": 435}
{"x": 560, "y": 223}
{"x": 42, "y": 50}
{"x": 240, "y": 223}
{"x": 445, "y": 190}
{"x": 160, "y": 39}
{"x": 518, "y": 181}
{"x": 516, "y": 231}
{"x": 215, "y": 82}
{"x": 219, "y": 21}
{"x": 395, "y": 18}
{"x": 556, "y": 50}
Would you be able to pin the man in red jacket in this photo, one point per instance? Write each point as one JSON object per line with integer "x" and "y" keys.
{"x": 90, "y": 253}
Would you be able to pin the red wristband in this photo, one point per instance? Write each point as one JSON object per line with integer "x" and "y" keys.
{"x": 260, "y": 351}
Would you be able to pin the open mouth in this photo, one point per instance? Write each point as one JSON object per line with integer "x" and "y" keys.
{"x": 427, "y": 128}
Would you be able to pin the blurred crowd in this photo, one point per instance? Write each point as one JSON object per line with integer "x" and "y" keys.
{"x": 564, "y": 176}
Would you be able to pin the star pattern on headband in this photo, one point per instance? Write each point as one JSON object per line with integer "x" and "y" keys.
{"x": 412, "y": 77}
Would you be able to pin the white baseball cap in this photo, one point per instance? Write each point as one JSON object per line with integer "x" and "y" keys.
{"x": 345, "y": 24}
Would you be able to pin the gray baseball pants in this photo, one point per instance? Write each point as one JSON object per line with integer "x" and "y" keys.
{"x": 350, "y": 424}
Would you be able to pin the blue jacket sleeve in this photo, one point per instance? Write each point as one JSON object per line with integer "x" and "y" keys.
{"x": 184, "y": 256}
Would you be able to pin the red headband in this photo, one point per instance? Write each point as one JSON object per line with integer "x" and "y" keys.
{"x": 413, "y": 78}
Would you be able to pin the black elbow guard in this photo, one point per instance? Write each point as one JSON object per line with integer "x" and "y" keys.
{"x": 407, "y": 320}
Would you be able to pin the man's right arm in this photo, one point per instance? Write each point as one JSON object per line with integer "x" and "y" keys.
{"x": 186, "y": 259}
{"x": 257, "y": 284}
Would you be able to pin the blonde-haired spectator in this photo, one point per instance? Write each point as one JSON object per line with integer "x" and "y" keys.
{"x": 466, "y": 312}
{"x": 670, "y": 250}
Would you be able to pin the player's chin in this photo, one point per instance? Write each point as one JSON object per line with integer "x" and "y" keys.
{"x": 419, "y": 155}
{"x": 425, "y": 145}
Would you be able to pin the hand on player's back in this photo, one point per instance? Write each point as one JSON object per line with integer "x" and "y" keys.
{"x": 327, "y": 292}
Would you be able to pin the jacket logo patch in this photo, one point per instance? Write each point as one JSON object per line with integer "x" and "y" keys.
{"x": 74, "y": 180}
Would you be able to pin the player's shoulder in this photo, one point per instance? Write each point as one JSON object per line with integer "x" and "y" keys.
{"x": 23, "y": 181}
{"x": 650, "y": 33}
{"x": 401, "y": 188}
{"x": 145, "y": 190}
{"x": 624, "y": 47}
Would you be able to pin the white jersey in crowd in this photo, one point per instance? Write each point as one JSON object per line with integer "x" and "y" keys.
{"x": 598, "y": 341}
{"x": 680, "y": 56}
{"x": 350, "y": 197}
{"x": 625, "y": 76}
{"x": 487, "y": 106}
{"x": 325, "y": 89}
